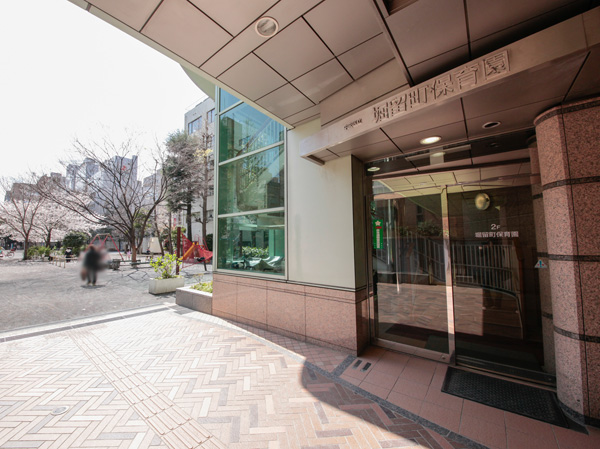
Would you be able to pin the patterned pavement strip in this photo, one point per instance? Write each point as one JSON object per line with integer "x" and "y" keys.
{"x": 189, "y": 380}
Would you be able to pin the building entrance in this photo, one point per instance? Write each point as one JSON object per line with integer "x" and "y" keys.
{"x": 455, "y": 273}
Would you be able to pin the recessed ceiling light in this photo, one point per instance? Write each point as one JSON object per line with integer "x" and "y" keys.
{"x": 373, "y": 169}
{"x": 266, "y": 26}
{"x": 430, "y": 140}
{"x": 489, "y": 125}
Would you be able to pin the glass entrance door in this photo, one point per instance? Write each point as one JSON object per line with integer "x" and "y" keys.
{"x": 454, "y": 272}
{"x": 496, "y": 295}
{"x": 409, "y": 273}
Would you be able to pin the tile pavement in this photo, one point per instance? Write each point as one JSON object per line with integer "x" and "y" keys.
{"x": 179, "y": 379}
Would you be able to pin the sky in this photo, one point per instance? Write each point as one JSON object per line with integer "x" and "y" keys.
{"x": 66, "y": 74}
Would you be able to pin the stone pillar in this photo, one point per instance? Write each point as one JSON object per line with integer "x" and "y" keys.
{"x": 568, "y": 139}
{"x": 542, "y": 250}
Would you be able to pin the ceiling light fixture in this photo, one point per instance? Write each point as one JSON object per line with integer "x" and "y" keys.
{"x": 266, "y": 26}
{"x": 438, "y": 154}
{"x": 373, "y": 169}
{"x": 430, "y": 140}
{"x": 489, "y": 125}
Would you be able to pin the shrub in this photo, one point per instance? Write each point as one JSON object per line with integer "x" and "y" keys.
{"x": 251, "y": 251}
{"x": 203, "y": 286}
{"x": 165, "y": 266}
{"x": 209, "y": 242}
{"x": 33, "y": 251}
{"x": 75, "y": 240}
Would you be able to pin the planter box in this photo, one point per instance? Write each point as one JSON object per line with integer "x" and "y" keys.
{"x": 194, "y": 299}
{"x": 158, "y": 286}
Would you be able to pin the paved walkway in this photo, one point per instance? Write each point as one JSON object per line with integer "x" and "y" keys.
{"x": 166, "y": 377}
{"x": 34, "y": 292}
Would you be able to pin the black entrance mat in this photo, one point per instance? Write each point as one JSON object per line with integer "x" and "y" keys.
{"x": 509, "y": 396}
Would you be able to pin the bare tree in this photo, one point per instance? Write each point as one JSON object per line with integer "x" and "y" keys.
{"x": 19, "y": 213}
{"x": 105, "y": 187}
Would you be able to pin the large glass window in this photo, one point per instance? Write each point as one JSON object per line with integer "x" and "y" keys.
{"x": 243, "y": 129}
{"x": 252, "y": 243}
{"x": 251, "y": 190}
{"x": 226, "y": 100}
{"x": 252, "y": 183}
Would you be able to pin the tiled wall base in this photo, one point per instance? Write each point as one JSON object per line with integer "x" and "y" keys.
{"x": 323, "y": 316}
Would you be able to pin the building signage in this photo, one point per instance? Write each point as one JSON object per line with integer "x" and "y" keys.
{"x": 377, "y": 234}
{"x": 540, "y": 264}
{"x": 450, "y": 84}
{"x": 497, "y": 234}
{"x": 454, "y": 83}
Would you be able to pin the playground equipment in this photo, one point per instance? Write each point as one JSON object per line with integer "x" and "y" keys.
{"x": 194, "y": 253}
{"x": 103, "y": 242}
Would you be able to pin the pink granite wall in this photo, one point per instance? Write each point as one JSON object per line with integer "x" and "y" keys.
{"x": 568, "y": 140}
{"x": 542, "y": 249}
{"x": 324, "y": 316}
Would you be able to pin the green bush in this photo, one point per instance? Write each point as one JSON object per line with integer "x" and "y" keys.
{"x": 251, "y": 251}
{"x": 209, "y": 242}
{"x": 165, "y": 266}
{"x": 76, "y": 241}
{"x": 33, "y": 251}
{"x": 203, "y": 286}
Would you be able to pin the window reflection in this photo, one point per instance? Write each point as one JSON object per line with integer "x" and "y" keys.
{"x": 244, "y": 129}
{"x": 253, "y": 243}
{"x": 252, "y": 183}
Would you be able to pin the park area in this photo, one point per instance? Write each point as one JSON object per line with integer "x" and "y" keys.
{"x": 34, "y": 292}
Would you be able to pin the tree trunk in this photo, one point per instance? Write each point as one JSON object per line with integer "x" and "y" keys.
{"x": 48, "y": 238}
{"x": 204, "y": 218}
{"x": 25, "y": 247}
{"x": 189, "y": 221}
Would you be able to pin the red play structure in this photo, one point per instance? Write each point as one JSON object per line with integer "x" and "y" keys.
{"x": 193, "y": 252}
{"x": 103, "y": 242}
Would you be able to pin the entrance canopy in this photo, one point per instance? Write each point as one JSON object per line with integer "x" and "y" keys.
{"x": 331, "y": 59}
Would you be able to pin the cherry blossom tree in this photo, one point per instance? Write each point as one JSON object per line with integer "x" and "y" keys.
{"x": 19, "y": 212}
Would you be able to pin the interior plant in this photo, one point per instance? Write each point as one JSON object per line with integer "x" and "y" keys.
{"x": 165, "y": 266}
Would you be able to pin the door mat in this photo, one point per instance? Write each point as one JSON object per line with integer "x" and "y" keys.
{"x": 509, "y": 396}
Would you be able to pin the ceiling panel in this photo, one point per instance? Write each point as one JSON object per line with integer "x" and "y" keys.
{"x": 372, "y": 152}
{"x": 588, "y": 80}
{"x": 432, "y": 117}
{"x": 179, "y": 26}
{"x": 252, "y": 77}
{"x": 303, "y": 115}
{"x": 234, "y": 15}
{"x": 428, "y": 69}
{"x": 285, "y": 101}
{"x": 367, "y": 56}
{"x": 372, "y": 137}
{"x": 499, "y": 157}
{"x": 449, "y": 133}
{"x": 522, "y": 89}
{"x": 134, "y": 13}
{"x": 294, "y": 51}
{"x": 489, "y": 16}
{"x": 428, "y": 28}
{"x": 285, "y": 12}
{"x": 323, "y": 81}
{"x": 511, "y": 119}
{"x": 495, "y": 39}
{"x": 343, "y": 24}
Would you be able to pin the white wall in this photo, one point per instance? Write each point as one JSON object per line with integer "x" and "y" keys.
{"x": 319, "y": 216}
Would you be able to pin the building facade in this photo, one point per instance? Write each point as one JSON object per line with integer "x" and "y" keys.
{"x": 417, "y": 175}
{"x": 201, "y": 120}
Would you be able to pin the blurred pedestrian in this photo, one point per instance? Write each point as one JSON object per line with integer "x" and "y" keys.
{"x": 91, "y": 264}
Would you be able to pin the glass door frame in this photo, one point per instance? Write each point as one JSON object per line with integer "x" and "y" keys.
{"x": 373, "y": 321}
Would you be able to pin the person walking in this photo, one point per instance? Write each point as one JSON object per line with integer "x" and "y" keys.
{"x": 91, "y": 264}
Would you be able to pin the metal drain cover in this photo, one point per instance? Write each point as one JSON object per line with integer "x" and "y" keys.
{"x": 60, "y": 410}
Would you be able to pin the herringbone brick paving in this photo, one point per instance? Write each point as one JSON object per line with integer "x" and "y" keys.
{"x": 165, "y": 380}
